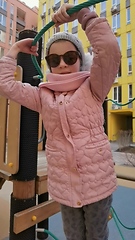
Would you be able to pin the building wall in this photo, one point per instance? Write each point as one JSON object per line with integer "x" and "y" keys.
{"x": 122, "y": 117}
{"x": 22, "y": 18}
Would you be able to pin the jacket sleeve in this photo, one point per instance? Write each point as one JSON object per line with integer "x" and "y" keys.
{"x": 22, "y": 93}
{"x": 106, "y": 52}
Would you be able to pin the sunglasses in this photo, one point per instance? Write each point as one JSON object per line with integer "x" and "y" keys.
{"x": 70, "y": 58}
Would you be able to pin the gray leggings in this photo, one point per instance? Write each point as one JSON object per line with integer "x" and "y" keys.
{"x": 88, "y": 222}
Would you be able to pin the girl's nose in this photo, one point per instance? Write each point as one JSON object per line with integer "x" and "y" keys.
{"x": 62, "y": 63}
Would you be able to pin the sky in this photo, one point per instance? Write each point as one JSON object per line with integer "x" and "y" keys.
{"x": 31, "y": 3}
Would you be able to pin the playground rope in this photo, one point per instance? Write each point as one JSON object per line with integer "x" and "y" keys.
{"x": 117, "y": 220}
{"x": 114, "y": 216}
{"x": 120, "y": 104}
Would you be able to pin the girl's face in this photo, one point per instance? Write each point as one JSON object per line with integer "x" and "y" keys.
{"x": 60, "y": 48}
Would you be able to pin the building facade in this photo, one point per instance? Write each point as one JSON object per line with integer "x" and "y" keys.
{"x": 120, "y": 15}
{"x": 121, "y": 117}
{"x": 15, "y": 16}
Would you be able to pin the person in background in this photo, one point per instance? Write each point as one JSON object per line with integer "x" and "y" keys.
{"x": 81, "y": 174}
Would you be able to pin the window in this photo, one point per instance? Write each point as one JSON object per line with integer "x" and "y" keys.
{"x": 129, "y": 40}
{"x": 117, "y": 94}
{"x": 2, "y": 36}
{"x": 12, "y": 9}
{"x": 75, "y": 34}
{"x": 56, "y": 1}
{"x": 115, "y": 2}
{"x": 65, "y": 27}
{"x": 119, "y": 41}
{"x": 44, "y": 8}
{"x": 116, "y": 21}
{"x": 119, "y": 72}
{"x": 128, "y": 15}
{"x": 2, "y": 20}
{"x": 3, "y": 4}
{"x": 92, "y": 8}
{"x": 11, "y": 24}
{"x": 75, "y": 23}
{"x": 130, "y": 92}
{"x": 10, "y": 39}
{"x": 1, "y": 52}
{"x": 75, "y": 2}
{"x": 103, "y": 6}
{"x": 129, "y": 65}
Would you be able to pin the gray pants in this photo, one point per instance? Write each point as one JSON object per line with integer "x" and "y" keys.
{"x": 87, "y": 223}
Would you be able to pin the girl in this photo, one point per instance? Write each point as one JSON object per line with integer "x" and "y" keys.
{"x": 81, "y": 173}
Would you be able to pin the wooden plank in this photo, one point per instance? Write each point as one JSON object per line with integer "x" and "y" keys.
{"x": 31, "y": 216}
{"x": 41, "y": 187}
{"x": 5, "y": 175}
{"x": 3, "y": 128}
{"x": 10, "y": 131}
{"x": 126, "y": 183}
{"x": 125, "y": 172}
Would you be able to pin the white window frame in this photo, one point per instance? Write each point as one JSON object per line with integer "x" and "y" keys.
{"x": 1, "y": 52}
{"x": 56, "y": 1}
{"x": 44, "y": 8}
{"x": 10, "y": 39}
{"x": 11, "y": 24}
{"x": 76, "y": 34}
{"x": 75, "y": 23}
{"x": 115, "y": 2}
{"x": 12, "y": 9}
{"x": 128, "y": 15}
{"x": 75, "y": 2}
{"x": 2, "y": 36}
{"x": 130, "y": 92}
{"x": 129, "y": 40}
{"x": 129, "y": 60}
{"x": 65, "y": 27}
{"x": 102, "y": 7}
{"x": 119, "y": 41}
{"x": 3, "y": 20}
{"x": 3, "y": 4}
{"x": 115, "y": 21}
{"x": 117, "y": 94}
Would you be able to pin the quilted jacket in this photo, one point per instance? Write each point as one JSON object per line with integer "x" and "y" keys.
{"x": 80, "y": 164}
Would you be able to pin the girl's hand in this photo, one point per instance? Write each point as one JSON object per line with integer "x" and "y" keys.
{"x": 24, "y": 46}
{"x": 61, "y": 15}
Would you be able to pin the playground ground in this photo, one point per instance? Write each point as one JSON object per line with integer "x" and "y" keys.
{"x": 123, "y": 203}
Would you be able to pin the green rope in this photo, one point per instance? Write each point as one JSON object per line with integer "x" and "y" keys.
{"x": 50, "y": 24}
{"x": 51, "y": 234}
{"x": 120, "y": 104}
{"x": 115, "y": 214}
{"x": 115, "y": 220}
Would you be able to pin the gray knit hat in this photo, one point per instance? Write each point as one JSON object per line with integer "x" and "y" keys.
{"x": 71, "y": 38}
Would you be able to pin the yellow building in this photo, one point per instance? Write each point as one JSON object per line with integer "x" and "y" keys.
{"x": 120, "y": 15}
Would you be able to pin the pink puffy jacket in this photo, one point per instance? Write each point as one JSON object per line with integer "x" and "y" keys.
{"x": 80, "y": 164}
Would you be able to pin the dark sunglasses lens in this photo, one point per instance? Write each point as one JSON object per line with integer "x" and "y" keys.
{"x": 70, "y": 57}
{"x": 53, "y": 60}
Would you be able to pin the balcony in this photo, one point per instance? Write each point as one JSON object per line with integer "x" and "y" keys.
{"x": 115, "y": 107}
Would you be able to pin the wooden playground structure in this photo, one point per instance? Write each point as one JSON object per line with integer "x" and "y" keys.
{"x": 9, "y": 165}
